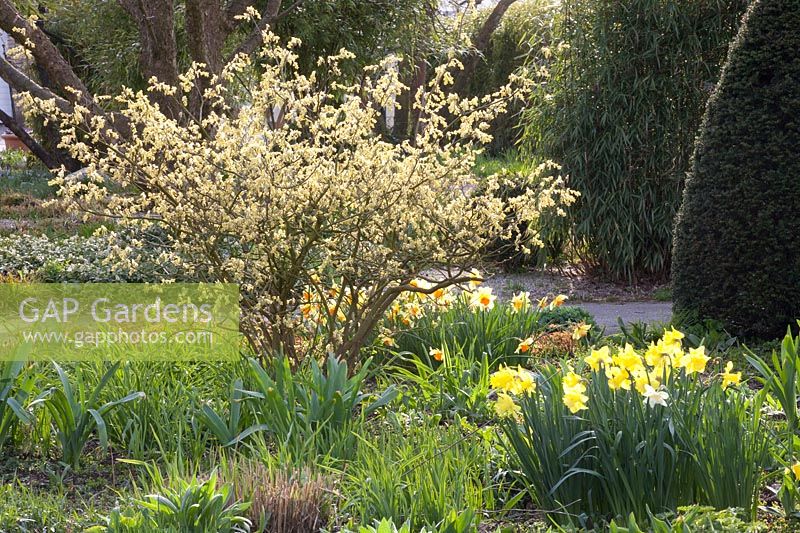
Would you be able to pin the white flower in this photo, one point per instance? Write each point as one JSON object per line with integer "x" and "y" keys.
{"x": 655, "y": 397}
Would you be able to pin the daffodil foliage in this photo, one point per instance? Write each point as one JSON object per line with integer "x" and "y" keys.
{"x": 633, "y": 431}
{"x": 284, "y": 183}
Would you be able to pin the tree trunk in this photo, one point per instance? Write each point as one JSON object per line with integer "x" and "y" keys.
{"x": 480, "y": 43}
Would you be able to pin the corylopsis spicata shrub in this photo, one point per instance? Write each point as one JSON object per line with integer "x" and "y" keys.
{"x": 284, "y": 184}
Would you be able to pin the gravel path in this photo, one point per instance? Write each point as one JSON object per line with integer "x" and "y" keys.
{"x": 605, "y": 301}
{"x": 606, "y": 314}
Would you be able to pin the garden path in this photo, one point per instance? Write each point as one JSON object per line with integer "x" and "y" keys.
{"x": 605, "y": 301}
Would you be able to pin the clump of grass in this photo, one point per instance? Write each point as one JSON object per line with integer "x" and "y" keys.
{"x": 281, "y": 501}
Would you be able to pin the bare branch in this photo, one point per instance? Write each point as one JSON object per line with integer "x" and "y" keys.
{"x": 21, "y": 82}
{"x": 46, "y": 157}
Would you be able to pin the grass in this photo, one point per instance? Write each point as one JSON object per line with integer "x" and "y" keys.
{"x": 430, "y": 454}
{"x": 24, "y": 194}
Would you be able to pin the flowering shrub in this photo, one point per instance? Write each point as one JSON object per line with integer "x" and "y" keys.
{"x": 641, "y": 432}
{"x": 284, "y": 183}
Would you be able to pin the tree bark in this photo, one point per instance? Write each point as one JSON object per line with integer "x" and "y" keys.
{"x": 206, "y": 34}
{"x": 480, "y": 43}
{"x": 155, "y": 20}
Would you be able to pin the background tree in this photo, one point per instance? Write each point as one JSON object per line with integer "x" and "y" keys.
{"x": 619, "y": 110}
{"x": 97, "y": 47}
{"x": 737, "y": 253}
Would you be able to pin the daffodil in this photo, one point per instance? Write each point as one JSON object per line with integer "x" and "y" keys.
{"x": 729, "y": 377}
{"x": 520, "y": 302}
{"x": 673, "y": 336}
{"x": 654, "y": 397}
{"x": 598, "y": 357}
{"x": 420, "y": 284}
{"x": 436, "y": 353}
{"x": 503, "y": 379}
{"x": 695, "y": 361}
{"x": 558, "y": 301}
{"x": 575, "y": 401}
{"x": 653, "y": 356}
{"x": 618, "y": 378}
{"x": 388, "y": 342}
{"x": 525, "y": 381}
{"x": 572, "y": 382}
{"x": 525, "y": 345}
{"x": 505, "y": 406}
{"x": 414, "y": 310}
{"x": 483, "y": 299}
{"x": 580, "y": 331}
{"x": 796, "y": 470}
{"x": 628, "y": 359}
{"x": 542, "y": 302}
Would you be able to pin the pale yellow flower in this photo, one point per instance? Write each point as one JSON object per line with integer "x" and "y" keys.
{"x": 526, "y": 381}
{"x": 581, "y": 330}
{"x": 628, "y": 359}
{"x": 505, "y": 406}
{"x": 503, "y": 379}
{"x": 796, "y": 470}
{"x": 520, "y": 302}
{"x": 572, "y": 382}
{"x": 575, "y": 401}
{"x": 673, "y": 336}
{"x": 483, "y": 299}
{"x": 476, "y": 280}
{"x": 558, "y": 301}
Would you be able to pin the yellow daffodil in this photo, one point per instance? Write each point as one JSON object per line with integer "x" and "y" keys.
{"x": 483, "y": 299}
{"x": 796, "y": 470}
{"x": 525, "y": 345}
{"x": 526, "y": 381}
{"x": 558, "y": 301}
{"x": 505, "y": 406}
{"x": 695, "y": 361}
{"x": 729, "y": 377}
{"x": 628, "y": 359}
{"x": 388, "y": 342}
{"x": 575, "y": 401}
{"x": 580, "y": 331}
{"x": 542, "y": 302}
{"x": 503, "y": 379}
{"x": 436, "y": 353}
{"x": 598, "y": 357}
{"x": 520, "y": 302}
{"x": 653, "y": 356}
{"x": 618, "y": 378}
{"x": 673, "y": 336}
{"x": 572, "y": 382}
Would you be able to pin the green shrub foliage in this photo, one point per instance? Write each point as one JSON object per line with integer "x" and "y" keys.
{"x": 619, "y": 110}
{"x": 737, "y": 252}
